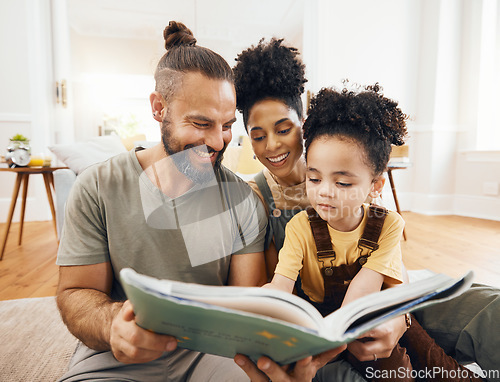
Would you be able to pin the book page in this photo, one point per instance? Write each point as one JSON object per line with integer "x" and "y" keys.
{"x": 266, "y": 306}
{"x": 397, "y": 300}
{"x": 268, "y": 302}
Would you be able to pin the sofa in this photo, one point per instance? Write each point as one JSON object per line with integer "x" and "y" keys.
{"x": 80, "y": 155}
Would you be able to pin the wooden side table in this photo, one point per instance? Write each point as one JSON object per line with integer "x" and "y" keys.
{"x": 390, "y": 168}
{"x": 23, "y": 174}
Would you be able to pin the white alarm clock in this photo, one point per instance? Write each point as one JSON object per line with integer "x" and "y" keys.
{"x": 17, "y": 157}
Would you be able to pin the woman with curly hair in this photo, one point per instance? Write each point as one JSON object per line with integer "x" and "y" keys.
{"x": 269, "y": 81}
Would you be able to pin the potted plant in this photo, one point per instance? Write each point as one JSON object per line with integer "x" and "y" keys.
{"x": 19, "y": 141}
{"x": 18, "y": 151}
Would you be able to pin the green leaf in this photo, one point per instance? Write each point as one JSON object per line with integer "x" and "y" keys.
{"x": 18, "y": 137}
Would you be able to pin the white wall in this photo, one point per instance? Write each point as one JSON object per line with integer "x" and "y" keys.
{"x": 15, "y": 115}
{"x": 450, "y": 127}
{"x": 424, "y": 54}
{"x": 367, "y": 42}
{"x": 474, "y": 171}
{"x": 25, "y": 80}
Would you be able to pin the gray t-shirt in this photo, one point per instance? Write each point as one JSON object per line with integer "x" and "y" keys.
{"x": 115, "y": 213}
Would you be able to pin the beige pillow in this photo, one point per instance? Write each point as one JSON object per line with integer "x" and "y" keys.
{"x": 78, "y": 156}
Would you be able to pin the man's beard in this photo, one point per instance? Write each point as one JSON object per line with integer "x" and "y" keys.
{"x": 200, "y": 174}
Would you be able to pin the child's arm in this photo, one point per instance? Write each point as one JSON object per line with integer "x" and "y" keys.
{"x": 384, "y": 338}
{"x": 281, "y": 283}
{"x": 271, "y": 256}
{"x": 365, "y": 282}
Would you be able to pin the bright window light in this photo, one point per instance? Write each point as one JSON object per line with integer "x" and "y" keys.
{"x": 488, "y": 123}
{"x": 120, "y": 103}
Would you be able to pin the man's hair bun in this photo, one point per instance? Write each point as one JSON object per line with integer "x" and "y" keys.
{"x": 177, "y": 34}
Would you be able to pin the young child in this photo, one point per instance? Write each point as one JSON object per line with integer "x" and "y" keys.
{"x": 344, "y": 249}
{"x": 348, "y": 137}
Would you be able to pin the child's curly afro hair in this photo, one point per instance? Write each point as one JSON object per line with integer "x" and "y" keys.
{"x": 365, "y": 116}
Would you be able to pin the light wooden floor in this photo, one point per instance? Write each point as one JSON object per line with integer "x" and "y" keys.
{"x": 29, "y": 270}
{"x": 447, "y": 244}
{"x": 453, "y": 245}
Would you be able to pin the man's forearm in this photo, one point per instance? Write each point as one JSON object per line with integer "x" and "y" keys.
{"x": 88, "y": 314}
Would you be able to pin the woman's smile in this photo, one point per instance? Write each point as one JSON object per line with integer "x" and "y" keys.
{"x": 278, "y": 160}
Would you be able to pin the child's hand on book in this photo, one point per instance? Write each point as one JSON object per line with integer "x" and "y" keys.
{"x": 379, "y": 341}
{"x": 304, "y": 370}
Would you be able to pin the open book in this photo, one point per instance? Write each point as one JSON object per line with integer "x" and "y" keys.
{"x": 225, "y": 320}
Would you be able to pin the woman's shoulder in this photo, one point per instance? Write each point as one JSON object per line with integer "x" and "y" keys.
{"x": 255, "y": 187}
{"x": 253, "y": 184}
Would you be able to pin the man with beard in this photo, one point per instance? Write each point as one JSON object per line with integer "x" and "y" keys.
{"x": 171, "y": 211}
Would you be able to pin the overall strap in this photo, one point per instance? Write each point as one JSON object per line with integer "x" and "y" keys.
{"x": 321, "y": 235}
{"x": 369, "y": 239}
{"x": 334, "y": 287}
{"x": 261, "y": 182}
{"x": 336, "y": 279}
{"x": 375, "y": 222}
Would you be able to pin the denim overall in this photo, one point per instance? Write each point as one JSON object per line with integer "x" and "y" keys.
{"x": 337, "y": 279}
{"x": 277, "y": 218}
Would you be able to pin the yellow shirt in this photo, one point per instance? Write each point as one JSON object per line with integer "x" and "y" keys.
{"x": 299, "y": 252}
